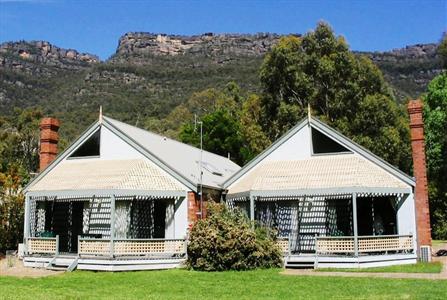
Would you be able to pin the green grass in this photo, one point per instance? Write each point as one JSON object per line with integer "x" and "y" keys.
{"x": 438, "y": 242}
{"x": 182, "y": 284}
{"x": 433, "y": 267}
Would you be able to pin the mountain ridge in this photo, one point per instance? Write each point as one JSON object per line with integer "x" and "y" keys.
{"x": 150, "y": 74}
{"x": 133, "y": 43}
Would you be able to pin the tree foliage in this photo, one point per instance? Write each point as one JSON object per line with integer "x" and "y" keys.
{"x": 442, "y": 49}
{"x": 221, "y": 134}
{"x": 11, "y": 207}
{"x": 435, "y": 119}
{"x": 226, "y": 240}
{"x": 344, "y": 90}
{"x": 19, "y": 136}
{"x": 230, "y": 123}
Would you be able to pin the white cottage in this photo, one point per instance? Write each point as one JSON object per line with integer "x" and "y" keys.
{"x": 119, "y": 198}
{"x": 122, "y": 198}
{"x": 333, "y": 203}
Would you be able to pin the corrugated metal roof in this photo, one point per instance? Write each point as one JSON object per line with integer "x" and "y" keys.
{"x": 97, "y": 174}
{"x": 180, "y": 157}
{"x": 317, "y": 172}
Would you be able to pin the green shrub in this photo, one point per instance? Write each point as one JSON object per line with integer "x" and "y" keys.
{"x": 226, "y": 240}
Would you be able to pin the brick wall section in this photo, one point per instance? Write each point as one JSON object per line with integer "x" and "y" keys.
{"x": 194, "y": 206}
{"x": 48, "y": 141}
{"x": 420, "y": 172}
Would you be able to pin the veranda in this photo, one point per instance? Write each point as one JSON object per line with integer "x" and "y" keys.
{"x": 112, "y": 232}
{"x": 334, "y": 230}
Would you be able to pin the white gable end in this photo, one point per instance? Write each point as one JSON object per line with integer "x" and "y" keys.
{"x": 295, "y": 148}
{"x": 113, "y": 147}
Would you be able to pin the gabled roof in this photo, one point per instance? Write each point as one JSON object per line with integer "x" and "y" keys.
{"x": 331, "y": 133}
{"x": 180, "y": 160}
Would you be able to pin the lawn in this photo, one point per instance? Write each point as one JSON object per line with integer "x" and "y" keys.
{"x": 182, "y": 284}
{"x": 433, "y": 267}
{"x": 438, "y": 242}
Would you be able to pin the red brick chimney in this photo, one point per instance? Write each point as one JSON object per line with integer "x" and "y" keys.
{"x": 194, "y": 207}
{"x": 48, "y": 141}
{"x": 420, "y": 173}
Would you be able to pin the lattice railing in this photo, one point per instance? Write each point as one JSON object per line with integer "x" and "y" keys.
{"x": 335, "y": 245}
{"x": 132, "y": 247}
{"x": 42, "y": 245}
{"x": 385, "y": 243}
{"x": 99, "y": 247}
{"x": 149, "y": 246}
{"x": 365, "y": 244}
{"x": 283, "y": 244}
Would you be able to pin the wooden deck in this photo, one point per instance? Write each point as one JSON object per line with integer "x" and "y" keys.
{"x": 355, "y": 252}
{"x": 150, "y": 254}
{"x": 111, "y": 264}
{"x": 107, "y": 255}
{"x": 364, "y": 261}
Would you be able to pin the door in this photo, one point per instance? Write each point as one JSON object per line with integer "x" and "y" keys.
{"x": 76, "y": 225}
{"x": 67, "y": 223}
{"x": 159, "y": 219}
{"x": 364, "y": 216}
{"x": 61, "y": 224}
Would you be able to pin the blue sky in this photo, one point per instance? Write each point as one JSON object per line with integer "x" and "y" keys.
{"x": 95, "y": 26}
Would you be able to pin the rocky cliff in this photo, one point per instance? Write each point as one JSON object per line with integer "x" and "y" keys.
{"x": 409, "y": 52}
{"x": 205, "y": 44}
{"x": 408, "y": 70}
{"x": 37, "y": 56}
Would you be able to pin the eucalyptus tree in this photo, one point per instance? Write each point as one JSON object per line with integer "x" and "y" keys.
{"x": 435, "y": 119}
{"x": 343, "y": 89}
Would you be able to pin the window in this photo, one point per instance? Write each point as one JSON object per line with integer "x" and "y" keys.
{"x": 90, "y": 147}
{"x": 323, "y": 144}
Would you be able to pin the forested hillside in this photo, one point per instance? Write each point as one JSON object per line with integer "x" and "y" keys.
{"x": 151, "y": 74}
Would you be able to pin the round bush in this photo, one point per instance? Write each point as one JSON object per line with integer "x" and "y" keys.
{"x": 225, "y": 240}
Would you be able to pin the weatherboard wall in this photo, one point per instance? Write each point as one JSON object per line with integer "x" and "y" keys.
{"x": 113, "y": 147}
{"x": 406, "y": 218}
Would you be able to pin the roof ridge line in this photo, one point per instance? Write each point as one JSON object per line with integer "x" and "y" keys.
{"x": 165, "y": 137}
{"x": 150, "y": 153}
